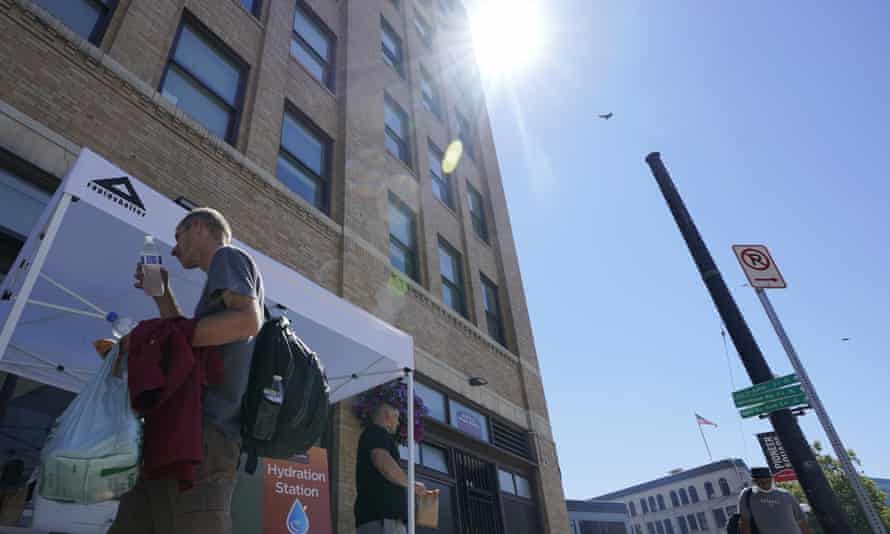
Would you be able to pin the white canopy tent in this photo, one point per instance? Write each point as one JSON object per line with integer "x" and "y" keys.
{"x": 77, "y": 266}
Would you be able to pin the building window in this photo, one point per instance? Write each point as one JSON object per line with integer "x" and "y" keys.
{"x": 254, "y": 7}
{"x": 724, "y": 487}
{"x": 659, "y": 527}
{"x": 660, "y": 499}
{"x": 693, "y": 524}
{"x": 397, "y": 130}
{"x": 87, "y": 18}
{"x": 633, "y": 508}
{"x": 21, "y": 203}
{"x": 312, "y": 43}
{"x": 669, "y": 526}
{"x": 702, "y": 520}
{"x": 477, "y": 212}
{"x": 674, "y": 500}
{"x": 469, "y": 421}
{"x": 303, "y": 159}
{"x": 684, "y": 498}
{"x": 467, "y": 136}
{"x": 493, "y": 319}
{"x": 441, "y": 181}
{"x": 638, "y": 529}
{"x": 205, "y": 79}
{"x": 650, "y": 528}
{"x": 434, "y": 457}
{"x": 452, "y": 280}
{"x": 684, "y": 528}
{"x": 424, "y": 30}
{"x": 644, "y": 506}
{"x": 514, "y": 484}
{"x": 652, "y": 505}
{"x": 429, "y": 94}
{"x": 719, "y": 517}
{"x": 392, "y": 48}
{"x": 709, "y": 490}
{"x": 433, "y": 400}
{"x": 402, "y": 238}
{"x": 693, "y": 494}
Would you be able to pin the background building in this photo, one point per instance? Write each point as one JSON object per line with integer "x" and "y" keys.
{"x": 695, "y": 500}
{"x": 318, "y": 128}
{"x": 598, "y": 517}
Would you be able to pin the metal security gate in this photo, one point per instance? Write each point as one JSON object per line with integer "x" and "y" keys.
{"x": 477, "y": 494}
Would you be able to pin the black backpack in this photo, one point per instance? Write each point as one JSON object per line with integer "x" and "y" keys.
{"x": 732, "y": 525}
{"x": 283, "y": 429}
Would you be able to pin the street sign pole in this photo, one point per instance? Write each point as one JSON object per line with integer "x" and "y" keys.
{"x": 825, "y": 504}
{"x": 873, "y": 520}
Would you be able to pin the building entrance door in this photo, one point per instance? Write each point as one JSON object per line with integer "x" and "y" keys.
{"x": 477, "y": 493}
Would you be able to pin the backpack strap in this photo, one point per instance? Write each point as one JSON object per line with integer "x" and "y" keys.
{"x": 748, "y": 492}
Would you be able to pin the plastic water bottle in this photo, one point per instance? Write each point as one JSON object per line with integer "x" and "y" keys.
{"x": 152, "y": 281}
{"x": 275, "y": 392}
{"x": 120, "y": 326}
{"x": 267, "y": 412}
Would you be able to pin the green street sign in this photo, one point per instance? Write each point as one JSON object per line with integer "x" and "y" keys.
{"x": 742, "y": 395}
{"x": 769, "y": 396}
{"x": 772, "y": 406}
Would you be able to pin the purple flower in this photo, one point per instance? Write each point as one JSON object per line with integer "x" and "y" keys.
{"x": 394, "y": 393}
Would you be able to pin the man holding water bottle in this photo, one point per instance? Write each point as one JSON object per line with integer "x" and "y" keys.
{"x": 229, "y": 316}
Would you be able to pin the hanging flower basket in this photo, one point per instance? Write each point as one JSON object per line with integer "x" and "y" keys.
{"x": 394, "y": 393}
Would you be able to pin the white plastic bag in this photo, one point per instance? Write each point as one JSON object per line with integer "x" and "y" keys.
{"x": 92, "y": 453}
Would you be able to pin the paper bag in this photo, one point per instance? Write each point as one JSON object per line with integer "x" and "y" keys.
{"x": 428, "y": 509}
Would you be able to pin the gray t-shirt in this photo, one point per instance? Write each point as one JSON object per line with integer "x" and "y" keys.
{"x": 232, "y": 269}
{"x": 775, "y": 512}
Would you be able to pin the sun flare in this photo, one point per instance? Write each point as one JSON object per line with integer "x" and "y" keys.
{"x": 507, "y": 35}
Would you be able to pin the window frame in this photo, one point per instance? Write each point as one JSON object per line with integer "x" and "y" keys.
{"x": 329, "y": 64}
{"x": 467, "y": 135}
{"x": 725, "y": 490}
{"x": 98, "y": 32}
{"x": 397, "y": 63}
{"x": 693, "y": 494}
{"x": 459, "y": 285}
{"x": 397, "y": 203}
{"x": 439, "y": 178}
{"x": 32, "y": 176}
{"x": 433, "y": 104}
{"x": 497, "y": 316}
{"x": 219, "y": 45}
{"x": 660, "y": 499}
{"x": 257, "y": 9}
{"x": 479, "y": 220}
{"x": 684, "y": 497}
{"x": 710, "y": 492}
{"x": 404, "y": 144}
{"x": 421, "y": 22}
{"x": 675, "y": 500}
{"x": 306, "y": 122}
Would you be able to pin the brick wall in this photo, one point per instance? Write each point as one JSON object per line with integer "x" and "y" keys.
{"x": 106, "y": 99}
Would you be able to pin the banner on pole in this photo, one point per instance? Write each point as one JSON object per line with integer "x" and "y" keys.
{"x": 776, "y": 457}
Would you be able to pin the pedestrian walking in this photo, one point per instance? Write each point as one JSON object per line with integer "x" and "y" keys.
{"x": 766, "y": 509}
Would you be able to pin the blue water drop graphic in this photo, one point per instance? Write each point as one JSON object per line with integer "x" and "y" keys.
{"x": 297, "y": 520}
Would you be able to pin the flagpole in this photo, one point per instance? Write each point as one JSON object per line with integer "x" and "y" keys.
{"x": 702, "y": 432}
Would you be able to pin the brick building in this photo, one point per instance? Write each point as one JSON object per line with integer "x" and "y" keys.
{"x": 318, "y": 127}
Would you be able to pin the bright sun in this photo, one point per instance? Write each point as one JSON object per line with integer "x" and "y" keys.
{"x": 507, "y": 35}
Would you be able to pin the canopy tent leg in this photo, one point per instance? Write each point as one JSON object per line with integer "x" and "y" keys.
{"x": 20, "y": 299}
{"x": 411, "y": 452}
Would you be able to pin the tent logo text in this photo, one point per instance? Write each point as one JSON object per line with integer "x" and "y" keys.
{"x": 120, "y": 191}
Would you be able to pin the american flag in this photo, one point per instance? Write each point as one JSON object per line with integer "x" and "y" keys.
{"x": 702, "y": 421}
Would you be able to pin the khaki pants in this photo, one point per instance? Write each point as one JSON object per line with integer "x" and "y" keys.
{"x": 384, "y": 526}
{"x": 158, "y": 507}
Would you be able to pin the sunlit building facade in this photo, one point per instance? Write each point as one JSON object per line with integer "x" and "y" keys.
{"x": 319, "y": 128}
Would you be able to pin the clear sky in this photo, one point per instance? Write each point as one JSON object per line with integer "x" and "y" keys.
{"x": 774, "y": 120}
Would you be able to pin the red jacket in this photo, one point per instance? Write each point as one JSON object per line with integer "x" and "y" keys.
{"x": 166, "y": 376}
